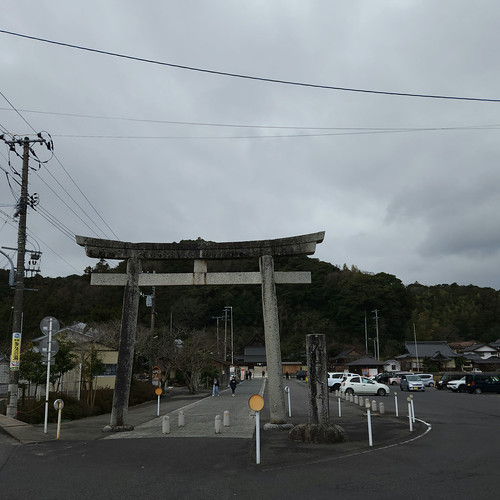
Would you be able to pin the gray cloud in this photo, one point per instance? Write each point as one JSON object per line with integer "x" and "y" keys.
{"x": 418, "y": 204}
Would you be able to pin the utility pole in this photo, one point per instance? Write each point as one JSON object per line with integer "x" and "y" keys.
{"x": 230, "y": 308}
{"x": 17, "y": 321}
{"x": 225, "y": 334}
{"x": 151, "y": 302}
{"x": 376, "y": 327}
{"x": 416, "y": 348}
{"x": 217, "y": 318}
{"x": 153, "y": 313}
{"x": 366, "y": 336}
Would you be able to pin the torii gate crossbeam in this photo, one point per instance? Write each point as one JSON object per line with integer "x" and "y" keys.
{"x": 200, "y": 252}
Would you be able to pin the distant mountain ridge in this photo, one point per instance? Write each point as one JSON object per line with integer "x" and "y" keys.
{"x": 338, "y": 303}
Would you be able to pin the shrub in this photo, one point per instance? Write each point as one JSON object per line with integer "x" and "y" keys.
{"x": 33, "y": 412}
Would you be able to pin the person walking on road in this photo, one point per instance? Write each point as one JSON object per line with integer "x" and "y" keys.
{"x": 215, "y": 387}
{"x": 232, "y": 384}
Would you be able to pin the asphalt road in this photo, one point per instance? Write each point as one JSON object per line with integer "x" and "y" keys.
{"x": 456, "y": 459}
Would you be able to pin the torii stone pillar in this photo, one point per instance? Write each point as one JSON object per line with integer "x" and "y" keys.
{"x": 200, "y": 252}
{"x": 272, "y": 340}
{"x": 124, "y": 367}
{"x": 319, "y": 412}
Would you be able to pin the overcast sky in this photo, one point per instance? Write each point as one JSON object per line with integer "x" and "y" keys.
{"x": 402, "y": 185}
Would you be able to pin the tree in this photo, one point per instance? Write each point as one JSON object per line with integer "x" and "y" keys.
{"x": 92, "y": 366}
{"x": 65, "y": 360}
{"x": 190, "y": 355}
{"x": 32, "y": 369}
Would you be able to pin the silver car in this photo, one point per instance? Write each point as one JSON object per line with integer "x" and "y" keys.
{"x": 427, "y": 379}
{"x": 411, "y": 383}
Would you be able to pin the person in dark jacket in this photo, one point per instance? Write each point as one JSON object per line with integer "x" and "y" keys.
{"x": 232, "y": 384}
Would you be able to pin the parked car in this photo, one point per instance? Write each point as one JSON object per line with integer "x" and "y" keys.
{"x": 335, "y": 379}
{"x": 395, "y": 378}
{"x": 362, "y": 385}
{"x": 411, "y": 383}
{"x": 427, "y": 379}
{"x": 457, "y": 385}
{"x": 391, "y": 378}
{"x": 301, "y": 374}
{"x": 443, "y": 382}
{"x": 476, "y": 383}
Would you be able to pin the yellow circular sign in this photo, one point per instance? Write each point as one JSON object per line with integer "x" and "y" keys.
{"x": 158, "y": 391}
{"x": 256, "y": 402}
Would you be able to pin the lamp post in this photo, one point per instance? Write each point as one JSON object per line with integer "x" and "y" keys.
{"x": 230, "y": 308}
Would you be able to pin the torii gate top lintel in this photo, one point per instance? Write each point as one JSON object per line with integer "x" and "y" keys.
{"x": 199, "y": 249}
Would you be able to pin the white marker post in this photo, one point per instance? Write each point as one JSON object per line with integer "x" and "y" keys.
{"x": 287, "y": 390}
{"x": 396, "y": 402}
{"x": 340, "y": 408}
{"x": 409, "y": 414}
{"x": 158, "y": 392}
{"x": 368, "y": 406}
{"x": 58, "y": 406}
{"x": 256, "y": 403}
{"x": 412, "y": 409}
{"x": 47, "y": 386}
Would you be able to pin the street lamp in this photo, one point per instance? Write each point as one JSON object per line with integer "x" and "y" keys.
{"x": 232, "y": 337}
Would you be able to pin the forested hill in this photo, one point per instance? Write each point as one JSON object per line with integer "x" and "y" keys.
{"x": 334, "y": 304}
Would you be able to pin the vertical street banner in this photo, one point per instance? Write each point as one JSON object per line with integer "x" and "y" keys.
{"x": 15, "y": 357}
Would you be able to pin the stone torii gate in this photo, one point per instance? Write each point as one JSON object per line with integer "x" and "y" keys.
{"x": 200, "y": 252}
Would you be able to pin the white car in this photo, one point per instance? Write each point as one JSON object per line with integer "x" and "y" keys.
{"x": 457, "y": 385}
{"x": 362, "y": 385}
{"x": 335, "y": 379}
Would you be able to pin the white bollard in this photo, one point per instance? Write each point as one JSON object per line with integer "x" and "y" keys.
{"x": 362, "y": 401}
{"x": 226, "y": 418}
{"x": 370, "y": 439}
{"x": 409, "y": 414}
{"x": 165, "y": 425}
{"x": 287, "y": 390}
{"x": 412, "y": 409}
{"x": 374, "y": 406}
{"x": 340, "y": 409}
{"x": 396, "y": 401}
{"x": 218, "y": 424}
{"x": 356, "y": 400}
{"x": 181, "y": 421}
{"x": 381, "y": 408}
{"x": 257, "y": 437}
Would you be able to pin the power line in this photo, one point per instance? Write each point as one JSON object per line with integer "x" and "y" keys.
{"x": 53, "y": 251}
{"x": 249, "y": 77}
{"x": 50, "y": 147}
{"x": 87, "y": 200}
{"x": 280, "y": 136}
{"x": 51, "y": 219}
{"x": 354, "y": 130}
{"x": 14, "y": 108}
{"x": 224, "y": 125}
{"x": 72, "y": 199}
